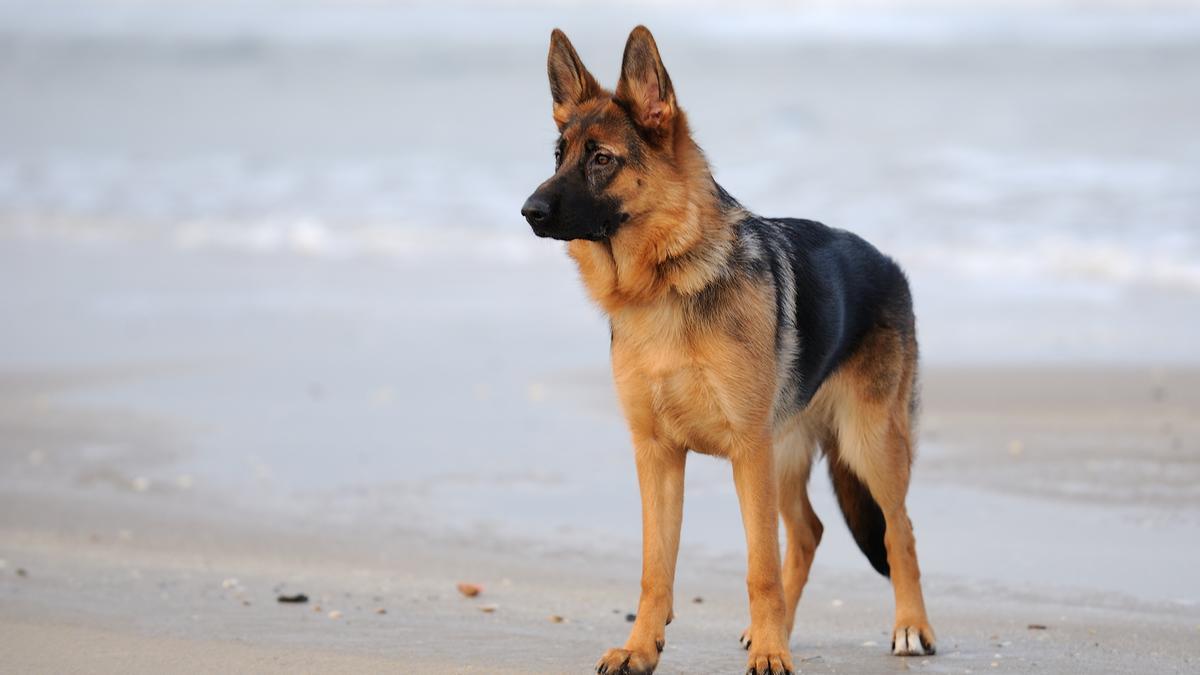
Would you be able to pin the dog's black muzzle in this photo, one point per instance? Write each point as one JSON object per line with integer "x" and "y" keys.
{"x": 548, "y": 219}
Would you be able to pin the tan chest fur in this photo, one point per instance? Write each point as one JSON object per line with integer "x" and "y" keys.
{"x": 688, "y": 381}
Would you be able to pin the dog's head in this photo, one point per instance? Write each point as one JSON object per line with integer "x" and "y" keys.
{"x": 614, "y": 158}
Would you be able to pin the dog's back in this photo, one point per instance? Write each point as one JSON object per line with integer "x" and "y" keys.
{"x": 844, "y": 288}
{"x": 838, "y": 300}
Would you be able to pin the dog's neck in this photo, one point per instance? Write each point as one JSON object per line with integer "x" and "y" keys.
{"x": 676, "y": 250}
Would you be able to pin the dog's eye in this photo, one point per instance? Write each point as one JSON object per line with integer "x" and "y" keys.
{"x": 602, "y": 158}
{"x": 557, "y": 156}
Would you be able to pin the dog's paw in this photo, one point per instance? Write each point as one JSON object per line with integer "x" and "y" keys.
{"x": 628, "y": 662}
{"x": 747, "y": 637}
{"x": 913, "y": 639}
{"x": 773, "y": 661}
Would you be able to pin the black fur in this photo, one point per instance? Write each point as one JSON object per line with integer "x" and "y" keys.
{"x": 840, "y": 289}
{"x": 862, "y": 513}
{"x": 843, "y": 287}
{"x": 578, "y": 210}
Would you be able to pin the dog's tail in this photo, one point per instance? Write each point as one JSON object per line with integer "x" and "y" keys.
{"x": 863, "y": 515}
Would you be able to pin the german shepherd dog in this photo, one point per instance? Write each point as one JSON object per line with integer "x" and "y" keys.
{"x": 750, "y": 338}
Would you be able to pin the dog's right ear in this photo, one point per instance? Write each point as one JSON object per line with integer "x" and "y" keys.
{"x": 570, "y": 82}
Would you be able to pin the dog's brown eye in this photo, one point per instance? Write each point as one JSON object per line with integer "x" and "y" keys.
{"x": 603, "y": 159}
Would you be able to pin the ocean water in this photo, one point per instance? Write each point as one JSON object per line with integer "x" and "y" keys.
{"x": 1043, "y": 152}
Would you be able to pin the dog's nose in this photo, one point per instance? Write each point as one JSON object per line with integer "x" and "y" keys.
{"x": 535, "y": 210}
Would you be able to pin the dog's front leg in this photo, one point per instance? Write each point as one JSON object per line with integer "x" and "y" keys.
{"x": 754, "y": 478}
{"x": 660, "y": 469}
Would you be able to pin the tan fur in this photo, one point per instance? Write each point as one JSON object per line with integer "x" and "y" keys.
{"x": 677, "y": 216}
{"x": 687, "y": 385}
{"x": 709, "y": 384}
{"x": 861, "y": 417}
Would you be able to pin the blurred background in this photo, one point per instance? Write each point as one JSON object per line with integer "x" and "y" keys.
{"x": 262, "y": 262}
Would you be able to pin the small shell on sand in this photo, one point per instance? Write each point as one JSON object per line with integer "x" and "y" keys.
{"x": 335, "y": 614}
{"x": 469, "y": 590}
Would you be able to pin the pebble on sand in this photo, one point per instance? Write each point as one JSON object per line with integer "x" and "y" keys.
{"x": 488, "y": 609}
{"x": 335, "y": 614}
{"x": 1037, "y": 626}
{"x": 697, "y": 600}
{"x": 631, "y": 617}
{"x": 554, "y": 618}
{"x": 469, "y": 590}
{"x": 298, "y": 598}
{"x": 380, "y": 610}
{"x": 21, "y": 572}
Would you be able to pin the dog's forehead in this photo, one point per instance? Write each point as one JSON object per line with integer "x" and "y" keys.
{"x": 600, "y": 120}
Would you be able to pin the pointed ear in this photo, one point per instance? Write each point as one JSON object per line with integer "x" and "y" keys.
{"x": 645, "y": 86}
{"x": 570, "y": 82}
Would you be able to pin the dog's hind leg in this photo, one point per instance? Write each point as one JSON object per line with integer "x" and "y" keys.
{"x": 912, "y": 634}
{"x": 874, "y": 449}
{"x": 804, "y": 532}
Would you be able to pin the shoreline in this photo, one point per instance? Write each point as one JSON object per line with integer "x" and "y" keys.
{"x": 144, "y": 588}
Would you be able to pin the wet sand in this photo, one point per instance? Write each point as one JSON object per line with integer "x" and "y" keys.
{"x": 110, "y": 586}
{"x": 104, "y": 572}
{"x": 167, "y": 600}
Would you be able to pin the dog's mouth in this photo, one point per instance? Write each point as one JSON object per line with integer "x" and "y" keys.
{"x": 602, "y": 233}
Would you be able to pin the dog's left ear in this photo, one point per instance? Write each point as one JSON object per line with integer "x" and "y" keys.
{"x": 570, "y": 82}
{"x": 645, "y": 86}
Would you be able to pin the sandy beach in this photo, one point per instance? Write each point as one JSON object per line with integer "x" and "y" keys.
{"x": 142, "y": 531}
{"x": 115, "y": 584}
{"x": 271, "y": 327}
